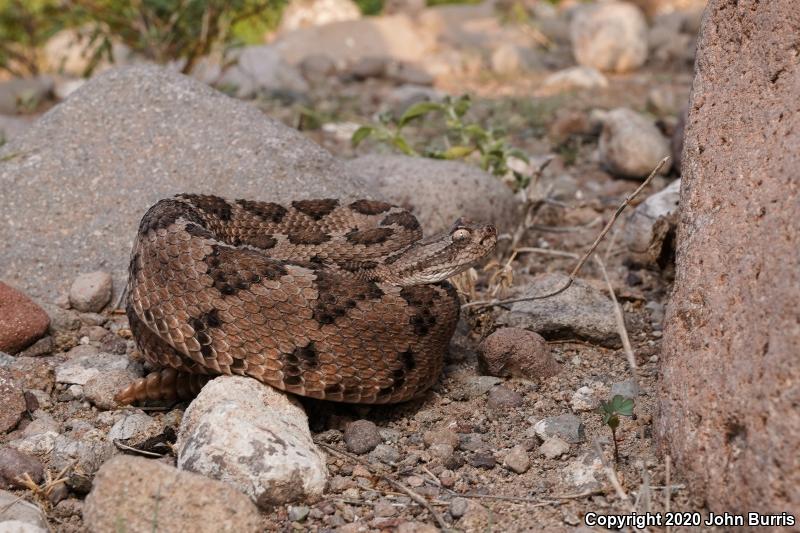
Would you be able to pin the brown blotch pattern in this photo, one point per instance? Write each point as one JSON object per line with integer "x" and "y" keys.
{"x": 370, "y": 207}
{"x": 337, "y": 295}
{"x": 265, "y": 242}
{"x": 403, "y": 218}
{"x": 421, "y": 299}
{"x": 234, "y": 269}
{"x": 316, "y": 209}
{"x": 196, "y": 230}
{"x": 202, "y": 326}
{"x": 165, "y": 213}
{"x": 266, "y": 211}
{"x": 369, "y": 236}
{"x": 213, "y": 205}
{"x": 358, "y": 266}
{"x": 308, "y": 236}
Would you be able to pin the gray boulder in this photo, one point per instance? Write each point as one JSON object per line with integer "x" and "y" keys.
{"x": 436, "y": 191}
{"x": 74, "y": 187}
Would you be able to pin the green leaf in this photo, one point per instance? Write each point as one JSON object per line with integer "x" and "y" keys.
{"x": 458, "y": 152}
{"x": 613, "y": 423}
{"x": 402, "y": 145}
{"x": 516, "y": 153}
{"x": 474, "y": 130}
{"x": 462, "y": 105}
{"x": 360, "y": 134}
{"x": 417, "y": 110}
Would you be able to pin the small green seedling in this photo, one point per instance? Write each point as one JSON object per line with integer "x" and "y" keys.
{"x": 462, "y": 139}
{"x": 611, "y": 411}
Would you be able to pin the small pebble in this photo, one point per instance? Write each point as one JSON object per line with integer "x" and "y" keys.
{"x": 583, "y": 400}
{"x": 517, "y": 460}
{"x": 458, "y": 506}
{"x": 567, "y": 426}
{"x": 361, "y": 436}
{"x": 554, "y": 447}
{"x": 440, "y": 436}
{"x": 483, "y": 460}
{"x": 386, "y": 454}
{"x": 297, "y": 513}
{"x": 504, "y": 398}
{"x": 628, "y": 388}
{"x": 91, "y": 292}
{"x": 384, "y": 508}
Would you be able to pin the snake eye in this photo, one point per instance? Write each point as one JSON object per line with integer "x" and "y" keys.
{"x": 460, "y": 235}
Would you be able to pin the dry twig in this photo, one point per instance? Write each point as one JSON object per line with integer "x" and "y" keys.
{"x": 619, "y": 317}
{"x": 584, "y": 258}
{"x": 396, "y": 484}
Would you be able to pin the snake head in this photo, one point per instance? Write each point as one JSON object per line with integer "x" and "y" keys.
{"x": 439, "y": 257}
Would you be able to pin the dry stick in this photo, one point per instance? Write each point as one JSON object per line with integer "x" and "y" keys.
{"x": 619, "y": 317}
{"x": 585, "y": 257}
{"x": 131, "y": 449}
{"x": 667, "y": 483}
{"x": 396, "y": 484}
{"x": 546, "y": 251}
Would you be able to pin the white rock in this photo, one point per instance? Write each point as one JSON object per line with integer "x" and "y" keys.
{"x": 611, "y": 37}
{"x": 37, "y": 444}
{"x": 554, "y": 447}
{"x": 66, "y": 86}
{"x": 19, "y": 510}
{"x": 396, "y": 36}
{"x": 261, "y": 68}
{"x": 517, "y": 460}
{"x": 91, "y": 292}
{"x": 507, "y": 59}
{"x": 631, "y": 145}
{"x": 583, "y": 400}
{"x": 17, "y": 526}
{"x": 584, "y": 473}
{"x": 638, "y": 230}
{"x": 309, "y": 13}
{"x": 86, "y": 453}
{"x": 253, "y": 437}
{"x": 70, "y": 52}
{"x": 574, "y": 78}
{"x": 131, "y": 425}
{"x": 81, "y": 369}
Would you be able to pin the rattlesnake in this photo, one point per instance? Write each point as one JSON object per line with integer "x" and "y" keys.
{"x": 324, "y": 298}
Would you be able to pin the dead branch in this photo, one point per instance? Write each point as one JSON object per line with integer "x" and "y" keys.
{"x": 584, "y": 258}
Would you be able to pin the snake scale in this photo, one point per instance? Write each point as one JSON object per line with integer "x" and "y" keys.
{"x": 329, "y": 299}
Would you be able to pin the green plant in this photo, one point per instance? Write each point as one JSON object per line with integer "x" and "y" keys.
{"x": 24, "y": 27}
{"x": 462, "y": 138}
{"x": 611, "y": 411}
{"x": 166, "y": 30}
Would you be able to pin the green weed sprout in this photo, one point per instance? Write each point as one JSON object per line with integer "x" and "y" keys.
{"x": 611, "y": 411}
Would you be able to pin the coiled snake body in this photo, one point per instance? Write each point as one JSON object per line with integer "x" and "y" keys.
{"x": 323, "y": 298}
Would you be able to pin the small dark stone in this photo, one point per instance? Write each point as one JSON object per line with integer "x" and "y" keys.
{"x": 504, "y": 398}
{"x": 483, "y": 460}
{"x": 14, "y": 464}
{"x": 361, "y": 436}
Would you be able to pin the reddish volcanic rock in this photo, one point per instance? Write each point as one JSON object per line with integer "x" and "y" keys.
{"x": 22, "y": 322}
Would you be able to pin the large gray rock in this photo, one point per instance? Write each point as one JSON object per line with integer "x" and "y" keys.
{"x": 74, "y": 187}
{"x": 580, "y": 312}
{"x": 261, "y": 68}
{"x": 136, "y": 494}
{"x": 253, "y": 437}
{"x": 397, "y": 37}
{"x": 438, "y": 192}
